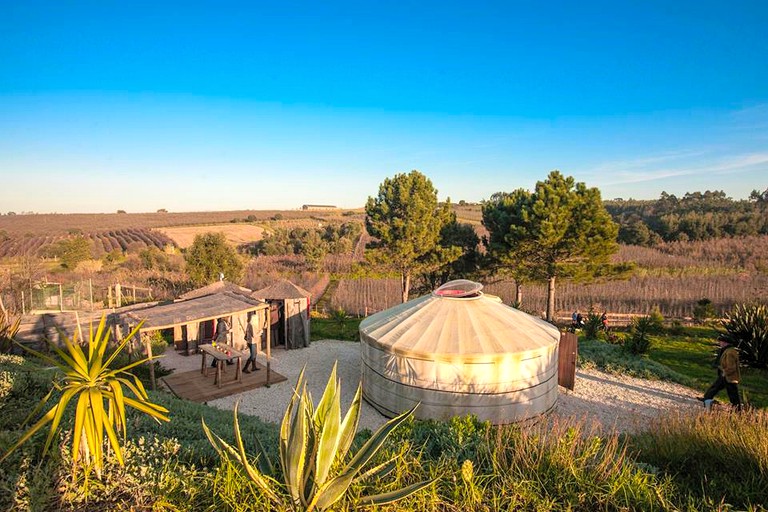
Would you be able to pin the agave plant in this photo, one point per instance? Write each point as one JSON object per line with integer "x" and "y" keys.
{"x": 99, "y": 394}
{"x": 314, "y": 444}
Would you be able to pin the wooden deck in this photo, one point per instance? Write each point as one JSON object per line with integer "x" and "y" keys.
{"x": 194, "y": 386}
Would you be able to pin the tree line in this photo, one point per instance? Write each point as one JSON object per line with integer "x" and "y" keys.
{"x": 695, "y": 216}
{"x": 560, "y": 230}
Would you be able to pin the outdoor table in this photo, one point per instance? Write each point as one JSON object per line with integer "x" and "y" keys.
{"x": 221, "y": 354}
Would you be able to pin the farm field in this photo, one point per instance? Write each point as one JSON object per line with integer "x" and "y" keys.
{"x": 129, "y": 232}
{"x": 236, "y": 234}
{"x": 62, "y": 224}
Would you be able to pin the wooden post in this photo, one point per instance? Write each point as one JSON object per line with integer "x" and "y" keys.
{"x": 90, "y": 292}
{"x": 151, "y": 363}
{"x": 61, "y": 298}
{"x": 269, "y": 343}
{"x": 118, "y": 295}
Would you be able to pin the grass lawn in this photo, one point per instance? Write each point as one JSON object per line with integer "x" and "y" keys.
{"x": 692, "y": 353}
{"x": 331, "y": 329}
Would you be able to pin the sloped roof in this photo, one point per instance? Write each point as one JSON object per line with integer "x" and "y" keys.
{"x": 283, "y": 289}
{"x": 471, "y": 328}
{"x": 217, "y": 287}
{"x": 198, "y": 309}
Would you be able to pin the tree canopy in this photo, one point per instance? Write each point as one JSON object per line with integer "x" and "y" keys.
{"x": 695, "y": 216}
{"x": 208, "y": 256}
{"x": 561, "y": 229}
{"x": 407, "y": 220}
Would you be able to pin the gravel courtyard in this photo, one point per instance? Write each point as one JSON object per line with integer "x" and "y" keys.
{"x": 610, "y": 401}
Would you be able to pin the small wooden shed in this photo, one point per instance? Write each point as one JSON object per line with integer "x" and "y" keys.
{"x": 290, "y": 313}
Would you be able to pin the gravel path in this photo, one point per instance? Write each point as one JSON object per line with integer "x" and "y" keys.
{"x": 609, "y": 401}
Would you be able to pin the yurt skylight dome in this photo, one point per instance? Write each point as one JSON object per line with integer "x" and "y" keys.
{"x": 459, "y": 289}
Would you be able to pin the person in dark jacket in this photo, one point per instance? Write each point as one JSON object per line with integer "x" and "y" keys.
{"x": 728, "y": 375}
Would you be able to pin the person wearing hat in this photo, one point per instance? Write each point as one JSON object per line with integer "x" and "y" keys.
{"x": 728, "y": 375}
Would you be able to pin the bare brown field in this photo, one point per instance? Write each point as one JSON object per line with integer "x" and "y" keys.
{"x": 53, "y": 224}
{"x": 236, "y": 234}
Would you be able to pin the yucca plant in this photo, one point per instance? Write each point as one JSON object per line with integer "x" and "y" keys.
{"x": 746, "y": 326}
{"x": 99, "y": 394}
{"x": 314, "y": 443}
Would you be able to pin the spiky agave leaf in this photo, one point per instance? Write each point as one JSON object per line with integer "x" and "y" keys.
{"x": 328, "y": 427}
{"x": 336, "y": 487}
{"x": 264, "y": 482}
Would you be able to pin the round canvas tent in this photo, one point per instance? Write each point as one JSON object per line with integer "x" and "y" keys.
{"x": 457, "y": 352}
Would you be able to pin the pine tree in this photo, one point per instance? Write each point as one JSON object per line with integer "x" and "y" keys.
{"x": 560, "y": 230}
{"x": 406, "y": 219}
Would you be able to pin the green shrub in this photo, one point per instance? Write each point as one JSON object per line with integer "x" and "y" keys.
{"x": 615, "y": 359}
{"x": 639, "y": 341}
{"x": 677, "y": 328}
{"x": 655, "y": 321}
{"x": 461, "y": 437}
{"x": 592, "y": 325}
{"x": 746, "y": 326}
{"x": 703, "y": 310}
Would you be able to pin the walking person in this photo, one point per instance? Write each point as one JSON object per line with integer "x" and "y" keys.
{"x": 253, "y": 333}
{"x": 728, "y": 375}
{"x": 222, "y": 337}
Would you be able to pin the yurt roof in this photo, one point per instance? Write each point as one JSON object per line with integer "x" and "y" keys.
{"x": 283, "y": 289}
{"x": 198, "y": 309}
{"x": 447, "y": 327}
{"x": 217, "y": 287}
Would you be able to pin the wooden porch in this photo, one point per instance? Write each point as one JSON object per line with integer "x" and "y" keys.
{"x": 193, "y": 385}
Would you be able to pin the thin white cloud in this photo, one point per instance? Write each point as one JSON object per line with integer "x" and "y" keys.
{"x": 635, "y": 173}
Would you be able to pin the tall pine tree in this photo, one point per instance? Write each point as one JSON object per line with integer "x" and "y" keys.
{"x": 406, "y": 219}
{"x": 561, "y": 230}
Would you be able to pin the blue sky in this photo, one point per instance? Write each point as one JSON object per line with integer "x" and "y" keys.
{"x": 196, "y": 106}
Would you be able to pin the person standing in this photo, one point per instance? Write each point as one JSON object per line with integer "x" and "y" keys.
{"x": 222, "y": 336}
{"x": 728, "y": 375}
{"x": 253, "y": 333}
{"x": 222, "y": 331}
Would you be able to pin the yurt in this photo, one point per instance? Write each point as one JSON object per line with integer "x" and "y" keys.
{"x": 457, "y": 352}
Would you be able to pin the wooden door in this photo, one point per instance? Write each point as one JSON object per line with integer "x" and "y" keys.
{"x": 567, "y": 355}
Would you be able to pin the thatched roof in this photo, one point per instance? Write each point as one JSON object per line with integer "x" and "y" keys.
{"x": 199, "y": 309}
{"x": 283, "y": 289}
{"x": 217, "y": 287}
